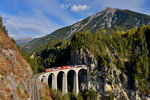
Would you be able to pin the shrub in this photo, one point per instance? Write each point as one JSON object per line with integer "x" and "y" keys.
{"x": 20, "y": 89}
{"x": 66, "y": 97}
{"x": 2, "y": 79}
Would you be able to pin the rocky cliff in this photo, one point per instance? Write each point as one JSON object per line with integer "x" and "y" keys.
{"x": 107, "y": 81}
{"x": 15, "y": 72}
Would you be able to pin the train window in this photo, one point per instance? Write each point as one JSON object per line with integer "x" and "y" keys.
{"x": 72, "y": 65}
{"x": 79, "y": 65}
{"x": 55, "y": 68}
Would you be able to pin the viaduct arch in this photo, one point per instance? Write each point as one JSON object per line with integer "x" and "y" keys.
{"x": 65, "y": 79}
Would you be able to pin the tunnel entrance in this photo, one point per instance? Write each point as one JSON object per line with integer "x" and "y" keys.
{"x": 60, "y": 80}
{"x": 50, "y": 79}
{"x": 82, "y": 76}
{"x": 70, "y": 80}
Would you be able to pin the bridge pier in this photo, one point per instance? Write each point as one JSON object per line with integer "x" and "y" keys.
{"x": 54, "y": 82}
{"x": 64, "y": 84}
{"x": 76, "y": 84}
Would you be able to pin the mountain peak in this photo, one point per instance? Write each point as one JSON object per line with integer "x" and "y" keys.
{"x": 108, "y": 10}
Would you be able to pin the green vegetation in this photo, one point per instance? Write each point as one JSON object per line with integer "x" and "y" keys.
{"x": 1, "y": 72}
{"x": 86, "y": 95}
{"x": 53, "y": 53}
{"x": 130, "y": 52}
{"x": 19, "y": 88}
{"x": 2, "y": 27}
{"x": 32, "y": 62}
{"x": 45, "y": 93}
{"x": 2, "y": 78}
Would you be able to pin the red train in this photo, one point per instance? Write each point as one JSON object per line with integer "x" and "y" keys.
{"x": 63, "y": 67}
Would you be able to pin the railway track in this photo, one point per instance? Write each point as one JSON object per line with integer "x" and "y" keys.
{"x": 35, "y": 89}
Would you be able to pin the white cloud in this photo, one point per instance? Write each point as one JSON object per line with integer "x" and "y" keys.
{"x": 62, "y": 6}
{"x": 79, "y": 8}
{"x": 29, "y": 26}
{"x": 53, "y": 9}
{"x": 65, "y": 6}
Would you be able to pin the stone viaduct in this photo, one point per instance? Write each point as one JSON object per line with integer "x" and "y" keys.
{"x": 54, "y": 77}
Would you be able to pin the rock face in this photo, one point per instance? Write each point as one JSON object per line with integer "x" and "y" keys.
{"x": 83, "y": 57}
{"x": 105, "y": 80}
{"x": 15, "y": 72}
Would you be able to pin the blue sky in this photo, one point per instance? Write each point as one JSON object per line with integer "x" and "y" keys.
{"x": 35, "y": 18}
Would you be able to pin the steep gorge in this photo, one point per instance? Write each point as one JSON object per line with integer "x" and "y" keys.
{"x": 118, "y": 64}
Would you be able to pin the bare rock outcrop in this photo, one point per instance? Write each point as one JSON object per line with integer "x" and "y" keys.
{"x": 105, "y": 80}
